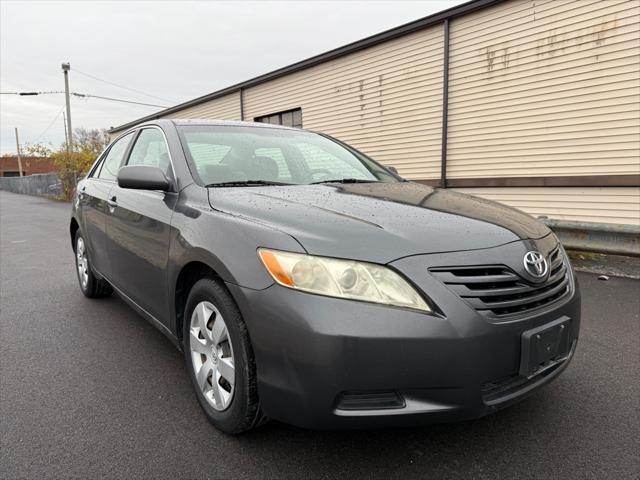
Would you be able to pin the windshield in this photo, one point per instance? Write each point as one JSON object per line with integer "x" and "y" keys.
{"x": 234, "y": 155}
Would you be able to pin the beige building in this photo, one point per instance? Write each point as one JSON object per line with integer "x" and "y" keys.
{"x": 534, "y": 103}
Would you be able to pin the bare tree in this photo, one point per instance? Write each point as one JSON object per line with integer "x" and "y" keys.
{"x": 90, "y": 142}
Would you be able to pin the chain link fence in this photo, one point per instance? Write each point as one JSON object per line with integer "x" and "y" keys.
{"x": 51, "y": 185}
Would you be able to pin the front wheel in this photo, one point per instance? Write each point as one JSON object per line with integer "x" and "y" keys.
{"x": 90, "y": 285}
{"x": 220, "y": 359}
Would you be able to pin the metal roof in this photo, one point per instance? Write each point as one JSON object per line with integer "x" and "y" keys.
{"x": 396, "y": 32}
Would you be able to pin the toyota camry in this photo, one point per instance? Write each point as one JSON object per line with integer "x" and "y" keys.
{"x": 307, "y": 283}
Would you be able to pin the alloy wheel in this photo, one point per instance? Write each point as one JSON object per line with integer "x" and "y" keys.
{"x": 82, "y": 263}
{"x": 212, "y": 355}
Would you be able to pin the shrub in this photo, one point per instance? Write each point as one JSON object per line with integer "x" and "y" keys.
{"x": 74, "y": 164}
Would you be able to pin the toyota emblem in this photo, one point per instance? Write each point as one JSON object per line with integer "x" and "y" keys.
{"x": 535, "y": 264}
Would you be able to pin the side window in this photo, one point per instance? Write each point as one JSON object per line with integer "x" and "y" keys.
{"x": 150, "y": 149}
{"x": 114, "y": 157}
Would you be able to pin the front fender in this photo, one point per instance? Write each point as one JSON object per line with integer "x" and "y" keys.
{"x": 224, "y": 242}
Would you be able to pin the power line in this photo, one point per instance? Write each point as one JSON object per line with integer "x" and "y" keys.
{"x": 27, "y": 94}
{"x": 85, "y": 95}
{"x": 121, "y": 86}
{"x": 49, "y": 126}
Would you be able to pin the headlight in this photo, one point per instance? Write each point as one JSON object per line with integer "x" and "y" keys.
{"x": 341, "y": 278}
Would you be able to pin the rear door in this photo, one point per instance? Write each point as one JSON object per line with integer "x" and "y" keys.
{"x": 138, "y": 230}
{"x": 93, "y": 197}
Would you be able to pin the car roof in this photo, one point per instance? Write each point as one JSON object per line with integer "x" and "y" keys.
{"x": 233, "y": 123}
{"x": 166, "y": 122}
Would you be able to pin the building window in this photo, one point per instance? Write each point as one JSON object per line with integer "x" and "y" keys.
{"x": 290, "y": 118}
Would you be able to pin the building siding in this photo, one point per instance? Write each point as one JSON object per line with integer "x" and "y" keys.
{"x": 545, "y": 88}
{"x": 222, "y": 108}
{"x": 590, "y": 204}
{"x": 385, "y": 100}
{"x": 537, "y": 88}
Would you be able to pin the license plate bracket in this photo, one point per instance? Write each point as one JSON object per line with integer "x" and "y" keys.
{"x": 544, "y": 346}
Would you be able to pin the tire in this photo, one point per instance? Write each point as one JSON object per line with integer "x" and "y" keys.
{"x": 215, "y": 337}
{"x": 90, "y": 285}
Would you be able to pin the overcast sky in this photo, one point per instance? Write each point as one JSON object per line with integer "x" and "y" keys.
{"x": 172, "y": 51}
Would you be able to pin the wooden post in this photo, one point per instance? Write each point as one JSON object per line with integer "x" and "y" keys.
{"x": 18, "y": 150}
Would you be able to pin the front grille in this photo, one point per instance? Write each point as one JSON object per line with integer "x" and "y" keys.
{"x": 499, "y": 291}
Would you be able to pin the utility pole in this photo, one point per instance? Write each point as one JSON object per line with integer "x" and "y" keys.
{"x": 65, "y": 68}
{"x": 66, "y": 136}
{"x": 18, "y": 149}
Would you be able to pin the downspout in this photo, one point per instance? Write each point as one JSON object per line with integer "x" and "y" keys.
{"x": 242, "y": 104}
{"x": 445, "y": 106}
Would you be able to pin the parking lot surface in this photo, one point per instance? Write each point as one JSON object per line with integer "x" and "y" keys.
{"x": 90, "y": 389}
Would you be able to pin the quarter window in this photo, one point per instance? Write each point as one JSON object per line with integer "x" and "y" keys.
{"x": 113, "y": 160}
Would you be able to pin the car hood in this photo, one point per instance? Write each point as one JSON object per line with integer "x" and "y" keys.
{"x": 379, "y": 222}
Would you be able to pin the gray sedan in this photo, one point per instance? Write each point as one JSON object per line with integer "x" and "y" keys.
{"x": 307, "y": 283}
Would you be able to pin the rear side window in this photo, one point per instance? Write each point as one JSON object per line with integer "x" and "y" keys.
{"x": 150, "y": 149}
{"x": 113, "y": 160}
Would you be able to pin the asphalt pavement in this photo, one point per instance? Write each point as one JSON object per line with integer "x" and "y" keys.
{"x": 89, "y": 389}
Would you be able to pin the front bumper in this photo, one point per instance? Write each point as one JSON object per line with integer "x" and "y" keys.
{"x": 312, "y": 352}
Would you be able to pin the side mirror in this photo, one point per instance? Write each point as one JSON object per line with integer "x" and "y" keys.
{"x": 392, "y": 169}
{"x": 142, "y": 177}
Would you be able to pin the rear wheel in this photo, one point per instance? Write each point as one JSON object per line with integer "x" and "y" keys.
{"x": 220, "y": 359}
{"x": 90, "y": 285}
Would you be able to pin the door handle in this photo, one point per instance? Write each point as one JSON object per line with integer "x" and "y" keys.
{"x": 112, "y": 203}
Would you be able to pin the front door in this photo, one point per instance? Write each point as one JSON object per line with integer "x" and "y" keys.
{"x": 139, "y": 229}
{"x": 93, "y": 197}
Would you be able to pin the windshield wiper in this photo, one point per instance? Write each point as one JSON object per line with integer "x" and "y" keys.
{"x": 244, "y": 183}
{"x": 345, "y": 180}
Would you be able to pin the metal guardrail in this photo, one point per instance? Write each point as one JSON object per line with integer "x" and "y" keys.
{"x": 616, "y": 239}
